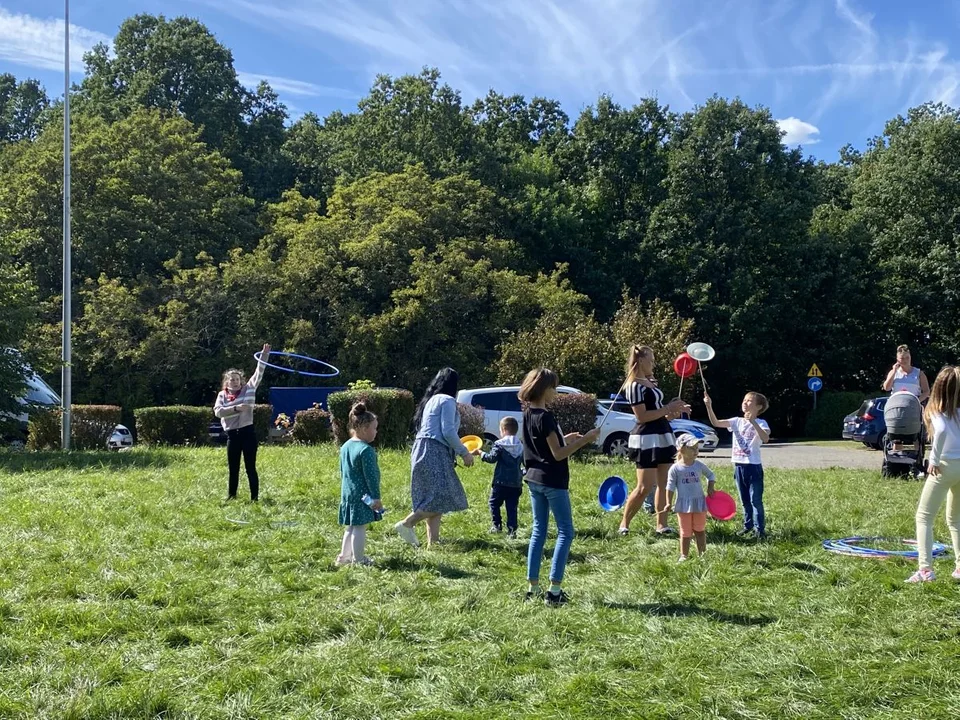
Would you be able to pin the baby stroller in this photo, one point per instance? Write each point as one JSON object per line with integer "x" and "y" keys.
{"x": 904, "y": 443}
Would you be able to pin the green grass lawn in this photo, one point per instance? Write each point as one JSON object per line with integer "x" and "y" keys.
{"x": 126, "y": 592}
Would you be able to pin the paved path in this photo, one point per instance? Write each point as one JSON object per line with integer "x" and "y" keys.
{"x": 793, "y": 456}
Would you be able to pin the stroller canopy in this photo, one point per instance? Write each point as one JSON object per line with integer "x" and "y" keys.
{"x": 903, "y": 414}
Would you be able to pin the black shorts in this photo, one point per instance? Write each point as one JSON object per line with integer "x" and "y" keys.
{"x": 653, "y": 457}
{"x": 903, "y": 437}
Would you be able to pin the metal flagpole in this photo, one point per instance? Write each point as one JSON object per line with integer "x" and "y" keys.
{"x": 65, "y": 379}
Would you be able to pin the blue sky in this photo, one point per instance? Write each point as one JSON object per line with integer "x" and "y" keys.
{"x": 832, "y": 71}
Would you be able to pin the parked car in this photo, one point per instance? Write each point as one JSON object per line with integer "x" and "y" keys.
{"x": 218, "y": 436}
{"x": 681, "y": 425}
{"x": 120, "y": 439}
{"x": 498, "y": 402}
{"x": 867, "y": 425}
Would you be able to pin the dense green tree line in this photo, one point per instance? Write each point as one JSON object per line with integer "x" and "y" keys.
{"x": 421, "y": 230}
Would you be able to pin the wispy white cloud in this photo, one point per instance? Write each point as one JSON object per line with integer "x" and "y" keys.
{"x": 38, "y": 43}
{"x": 289, "y": 86}
{"x": 798, "y": 132}
{"x": 807, "y": 58}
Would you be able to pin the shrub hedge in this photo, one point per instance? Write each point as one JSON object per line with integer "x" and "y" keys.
{"x": 90, "y": 427}
{"x": 394, "y": 410}
{"x": 174, "y": 425}
{"x": 311, "y": 427}
{"x": 471, "y": 420}
{"x": 575, "y": 413}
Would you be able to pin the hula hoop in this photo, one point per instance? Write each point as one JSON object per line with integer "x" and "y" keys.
{"x": 335, "y": 372}
{"x": 856, "y": 547}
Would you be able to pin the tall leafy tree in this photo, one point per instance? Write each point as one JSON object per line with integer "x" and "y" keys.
{"x": 22, "y": 107}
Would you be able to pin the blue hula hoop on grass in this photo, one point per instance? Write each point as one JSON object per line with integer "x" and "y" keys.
{"x": 855, "y": 547}
{"x": 335, "y": 372}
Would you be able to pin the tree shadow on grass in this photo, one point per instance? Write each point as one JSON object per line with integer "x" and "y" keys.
{"x": 403, "y": 564}
{"x": 46, "y": 460}
{"x": 690, "y": 610}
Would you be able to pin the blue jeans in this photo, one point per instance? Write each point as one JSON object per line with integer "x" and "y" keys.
{"x": 545, "y": 500}
{"x": 750, "y": 484}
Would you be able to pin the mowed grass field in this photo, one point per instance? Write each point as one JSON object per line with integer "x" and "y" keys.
{"x": 127, "y": 590}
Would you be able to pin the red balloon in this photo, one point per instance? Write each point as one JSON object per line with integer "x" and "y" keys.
{"x": 684, "y": 366}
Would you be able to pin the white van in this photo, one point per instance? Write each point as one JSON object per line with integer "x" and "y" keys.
{"x": 498, "y": 402}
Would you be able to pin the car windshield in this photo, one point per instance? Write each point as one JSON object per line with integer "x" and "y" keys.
{"x": 39, "y": 393}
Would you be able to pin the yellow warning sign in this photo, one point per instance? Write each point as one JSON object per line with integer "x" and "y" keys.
{"x": 814, "y": 371}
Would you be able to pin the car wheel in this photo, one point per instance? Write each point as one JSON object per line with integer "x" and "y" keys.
{"x": 617, "y": 445}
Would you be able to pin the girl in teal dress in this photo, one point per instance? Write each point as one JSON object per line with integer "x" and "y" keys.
{"x": 361, "y": 476}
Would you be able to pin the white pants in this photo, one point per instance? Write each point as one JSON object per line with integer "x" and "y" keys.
{"x": 354, "y": 544}
{"x": 945, "y": 486}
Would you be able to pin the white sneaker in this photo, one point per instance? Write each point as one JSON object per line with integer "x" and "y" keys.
{"x": 682, "y": 558}
{"x": 408, "y": 535}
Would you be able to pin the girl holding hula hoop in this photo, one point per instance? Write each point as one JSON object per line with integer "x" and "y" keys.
{"x": 653, "y": 446}
{"x": 234, "y": 407}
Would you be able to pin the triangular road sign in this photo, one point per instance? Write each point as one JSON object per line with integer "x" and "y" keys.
{"x": 814, "y": 371}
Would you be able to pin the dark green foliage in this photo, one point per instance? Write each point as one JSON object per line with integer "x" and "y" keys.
{"x": 393, "y": 408}
{"x": 175, "y": 425}
{"x": 827, "y": 420}
{"x": 90, "y": 427}
{"x": 312, "y": 426}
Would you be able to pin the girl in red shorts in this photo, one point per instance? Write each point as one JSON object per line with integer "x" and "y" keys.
{"x": 685, "y": 494}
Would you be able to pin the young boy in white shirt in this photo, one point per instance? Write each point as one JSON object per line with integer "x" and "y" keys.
{"x": 749, "y": 434}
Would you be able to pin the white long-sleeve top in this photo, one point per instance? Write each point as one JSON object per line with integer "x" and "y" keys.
{"x": 237, "y": 413}
{"x": 946, "y": 439}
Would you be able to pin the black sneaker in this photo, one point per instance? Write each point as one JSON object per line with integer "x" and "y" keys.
{"x": 555, "y": 599}
{"x": 760, "y": 535}
{"x": 533, "y": 595}
{"x": 744, "y": 532}
{"x": 494, "y": 529}
{"x": 512, "y": 533}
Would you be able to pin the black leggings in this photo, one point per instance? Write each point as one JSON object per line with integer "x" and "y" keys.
{"x": 243, "y": 442}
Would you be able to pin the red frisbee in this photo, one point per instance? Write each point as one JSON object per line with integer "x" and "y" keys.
{"x": 721, "y": 505}
{"x": 684, "y": 366}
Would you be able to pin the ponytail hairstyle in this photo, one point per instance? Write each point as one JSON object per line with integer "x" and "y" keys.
{"x": 359, "y": 416}
{"x": 944, "y": 397}
{"x": 634, "y": 356}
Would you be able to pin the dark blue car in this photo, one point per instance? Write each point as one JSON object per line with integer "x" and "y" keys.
{"x": 866, "y": 425}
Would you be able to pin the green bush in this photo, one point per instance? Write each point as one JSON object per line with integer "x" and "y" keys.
{"x": 90, "y": 427}
{"x": 827, "y": 420}
{"x": 43, "y": 430}
{"x": 394, "y": 410}
{"x": 575, "y": 413}
{"x": 173, "y": 425}
{"x": 471, "y": 420}
{"x": 311, "y": 427}
{"x": 262, "y": 416}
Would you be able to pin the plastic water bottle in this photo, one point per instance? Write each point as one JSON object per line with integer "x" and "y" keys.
{"x": 368, "y": 501}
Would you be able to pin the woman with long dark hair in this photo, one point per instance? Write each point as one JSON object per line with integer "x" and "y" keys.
{"x": 434, "y": 486}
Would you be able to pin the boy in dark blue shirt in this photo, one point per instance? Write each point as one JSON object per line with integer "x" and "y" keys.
{"x": 507, "y": 455}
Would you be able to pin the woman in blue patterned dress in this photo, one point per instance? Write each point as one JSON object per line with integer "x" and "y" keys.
{"x": 434, "y": 486}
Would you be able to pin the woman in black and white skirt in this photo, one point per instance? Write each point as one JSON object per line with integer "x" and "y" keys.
{"x": 434, "y": 486}
{"x": 652, "y": 442}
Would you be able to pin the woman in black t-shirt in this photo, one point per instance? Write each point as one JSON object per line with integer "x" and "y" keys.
{"x": 545, "y": 453}
{"x": 652, "y": 442}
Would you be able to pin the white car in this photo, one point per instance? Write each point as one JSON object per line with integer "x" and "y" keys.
{"x": 120, "y": 439}
{"x": 498, "y": 402}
